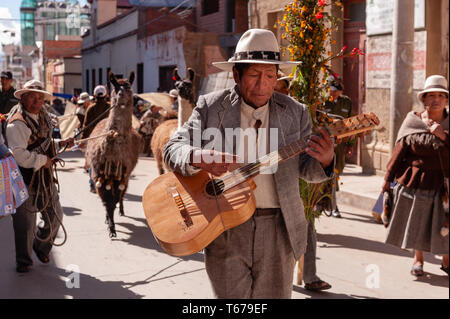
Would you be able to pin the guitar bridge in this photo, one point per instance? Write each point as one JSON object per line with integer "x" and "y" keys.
{"x": 181, "y": 207}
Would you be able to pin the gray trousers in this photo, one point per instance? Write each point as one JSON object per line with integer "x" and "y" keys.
{"x": 309, "y": 268}
{"x": 252, "y": 260}
{"x": 24, "y": 224}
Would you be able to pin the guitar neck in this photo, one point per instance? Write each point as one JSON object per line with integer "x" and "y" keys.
{"x": 338, "y": 129}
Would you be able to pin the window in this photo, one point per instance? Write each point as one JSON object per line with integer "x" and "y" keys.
{"x": 140, "y": 78}
{"x": 100, "y": 76}
{"x": 358, "y": 12}
{"x": 165, "y": 78}
{"x": 87, "y": 81}
{"x": 93, "y": 80}
{"x": 210, "y": 6}
{"x": 108, "y": 83}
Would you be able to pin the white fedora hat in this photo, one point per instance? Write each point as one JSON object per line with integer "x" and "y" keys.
{"x": 434, "y": 83}
{"x": 33, "y": 86}
{"x": 84, "y": 97}
{"x": 257, "y": 46}
{"x": 173, "y": 93}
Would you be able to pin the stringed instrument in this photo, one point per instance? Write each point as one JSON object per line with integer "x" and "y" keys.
{"x": 186, "y": 213}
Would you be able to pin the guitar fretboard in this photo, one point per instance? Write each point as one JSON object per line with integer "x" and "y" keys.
{"x": 338, "y": 129}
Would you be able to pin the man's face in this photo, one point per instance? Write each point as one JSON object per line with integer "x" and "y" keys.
{"x": 32, "y": 101}
{"x": 257, "y": 83}
{"x": 435, "y": 101}
{"x": 6, "y": 83}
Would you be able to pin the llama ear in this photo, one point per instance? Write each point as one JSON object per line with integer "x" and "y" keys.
{"x": 191, "y": 74}
{"x": 176, "y": 77}
{"x": 131, "y": 78}
{"x": 113, "y": 80}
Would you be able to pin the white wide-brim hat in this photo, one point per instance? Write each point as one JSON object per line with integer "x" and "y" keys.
{"x": 173, "y": 93}
{"x": 434, "y": 83}
{"x": 84, "y": 97}
{"x": 33, "y": 86}
{"x": 257, "y": 46}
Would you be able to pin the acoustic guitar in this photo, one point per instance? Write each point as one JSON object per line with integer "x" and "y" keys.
{"x": 186, "y": 213}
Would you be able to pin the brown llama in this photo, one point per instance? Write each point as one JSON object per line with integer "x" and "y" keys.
{"x": 112, "y": 158}
{"x": 186, "y": 103}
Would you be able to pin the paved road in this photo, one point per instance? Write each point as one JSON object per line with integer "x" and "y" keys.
{"x": 351, "y": 252}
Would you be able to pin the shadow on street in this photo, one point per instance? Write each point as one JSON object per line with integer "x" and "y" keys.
{"x": 142, "y": 236}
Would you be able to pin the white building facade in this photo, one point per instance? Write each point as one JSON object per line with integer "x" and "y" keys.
{"x": 110, "y": 46}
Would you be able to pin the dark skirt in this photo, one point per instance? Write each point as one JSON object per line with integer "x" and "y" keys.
{"x": 417, "y": 219}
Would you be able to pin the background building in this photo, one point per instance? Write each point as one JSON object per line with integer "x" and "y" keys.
{"x": 368, "y": 25}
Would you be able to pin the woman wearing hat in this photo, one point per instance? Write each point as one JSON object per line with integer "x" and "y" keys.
{"x": 256, "y": 258}
{"x": 420, "y": 165}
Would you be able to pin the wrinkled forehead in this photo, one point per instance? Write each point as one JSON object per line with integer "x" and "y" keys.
{"x": 435, "y": 93}
{"x": 261, "y": 68}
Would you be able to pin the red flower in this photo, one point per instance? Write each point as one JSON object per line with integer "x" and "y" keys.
{"x": 344, "y": 48}
{"x": 319, "y": 15}
{"x": 321, "y": 3}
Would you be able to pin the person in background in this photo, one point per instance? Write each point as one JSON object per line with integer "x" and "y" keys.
{"x": 174, "y": 97}
{"x": 340, "y": 105}
{"x": 96, "y": 111}
{"x": 58, "y": 107}
{"x": 312, "y": 281}
{"x": 7, "y": 98}
{"x": 29, "y": 137}
{"x": 82, "y": 105}
{"x": 420, "y": 165}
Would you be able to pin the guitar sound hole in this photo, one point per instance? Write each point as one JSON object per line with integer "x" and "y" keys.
{"x": 216, "y": 188}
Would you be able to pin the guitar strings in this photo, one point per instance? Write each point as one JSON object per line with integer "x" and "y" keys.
{"x": 248, "y": 170}
{"x": 239, "y": 175}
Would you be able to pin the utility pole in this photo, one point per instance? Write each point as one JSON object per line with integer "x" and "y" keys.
{"x": 402, "y": 66}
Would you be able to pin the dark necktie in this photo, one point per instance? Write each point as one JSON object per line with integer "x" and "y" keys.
{"x": 257, "y": 125}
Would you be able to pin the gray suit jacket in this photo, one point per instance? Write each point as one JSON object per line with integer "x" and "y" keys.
{"x": 221, "y": 110}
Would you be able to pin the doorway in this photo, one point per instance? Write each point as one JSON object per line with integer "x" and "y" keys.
{"x": 354, "y": 69}
{"x": 165, "y": 78}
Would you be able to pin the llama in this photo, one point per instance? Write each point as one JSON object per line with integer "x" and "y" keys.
{"x": 112, "y": 158}
{"x": 186, "y": 103}
{"x": 186, "y": 98}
